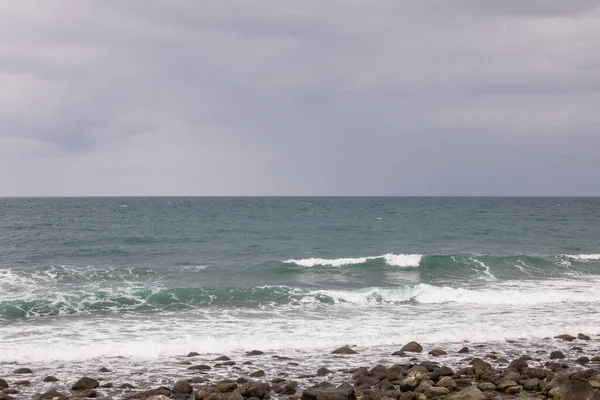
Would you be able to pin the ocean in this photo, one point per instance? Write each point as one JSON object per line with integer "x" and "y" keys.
{"x": 137, "y": 283}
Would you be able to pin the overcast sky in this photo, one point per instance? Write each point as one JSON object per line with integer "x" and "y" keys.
{"x": 300, "y": 97}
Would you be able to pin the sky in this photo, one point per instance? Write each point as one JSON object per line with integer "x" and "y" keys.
{"x": 300, "y": 97}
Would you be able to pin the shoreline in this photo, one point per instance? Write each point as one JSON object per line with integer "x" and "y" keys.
{"x": 547, "y": 368}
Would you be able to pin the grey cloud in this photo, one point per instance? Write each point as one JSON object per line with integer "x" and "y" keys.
{"x": 301, "y": 97}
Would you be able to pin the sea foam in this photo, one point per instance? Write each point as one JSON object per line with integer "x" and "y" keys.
{"x": 396, "y": 260}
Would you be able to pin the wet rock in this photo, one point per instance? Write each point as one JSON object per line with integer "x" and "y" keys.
{"x": 226, "y": 386}
{"x": 222, "y": 358}
{"x": 344, "y": 350}
{"x": 86, "y": 393}
{"x": 106, "y": 386}
{"x": 468, "y": 393}
{"x": 538, "y": 373}
{"x": 193, "y": 354}
{"x": 434, "y": 391}
{"x": 408, "y": 384}
{"x": 581, "y": 336}
{"x": 241, "y": 380}
{"x": 255, "y": 353}
{"x": 505, "y": 384}
{"x": 464, "y": 350}
{"x": 164, "y": 391}
{"x": 439, "y": 372}
{"x": 200, "y": 367}
{"x": 423, "y": 386}
{"x": 412, "y": 396}
{"x": 447, "y": 382}
{"x": 486, "y": 386}
{"x": 575, "y": 388}
{"x": 50, "y": 394}
{"x": 479, "y": 364}
{"x": 437, "y": 353}
{"x": 23, "y": 383}
{"x": 182, "y": 387}
{"x": 20, "y": 371}
{"x": 412, "y": 347}
{"x": 158, "y": 397}
{"x": 582, "y": 360}
{"x": 596, "y": 358}
{"x": 557, "y": 355}
{"x": 513, "y": 389}
{"x": 126, "y": 386}
{"x": 104, "y": 369}
{"x": 518, "y": 365}
{"x": 566, "y": 338}
{"x": 323, "y": 371}
{"x": 3, "y": 384}
{"x": 214, "y": 396}
{"x": 257, "y": 374}
{"x": 531, "y": 384}
{"x": 5, "y": 396}
{"x": 85, "y": 383}
{"x": 576, "y": 348}
{"x": 343, "y": 392}
{"x": 399, "y": 353}
{"x": 50, "y": 378}
{"x": 255, "y": 389}
{"x": 464, "y": 382}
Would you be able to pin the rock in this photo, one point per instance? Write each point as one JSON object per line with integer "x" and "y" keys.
{"x": 408, "y": 384}
{"x": 412, "y": 347}
{"x": 434, "y": 391}
{"x": 596, "y": 396}
{"x": 538, "y": 373}
{"x": 5, "y": 396}
{"x": 423, "y": 386}
{"x": 412, "y": 396}
{"x": 399, "y": 353}
{"x": 557, "y": 355}
{"x": 158, "y": 397}
{"x": 513, "y": 389}
{"x": 23, "y": 383}
{"x": 518, "y": 365}
{"x": 437, "y": 353}
{"x": 3, "y": 384}
{"x": 576, "y": 348}
{"x": 343, "y": 392}
{"x": 106, "y": 386}
{"x": 531, "y": 384}
{"x": 257, "y": 374}
{"x": 582, "y": 360}
{"x": 226, "y": 386}
{"x": 464, "y": 382}
{"x": 446, "y": 382}
{"x": 479, "y": 364}
{"x": 344, "y": 350}
{"x": 505, "y": 384}
{"x": 439, "y": 372}
{"x": 149, "y": 393}
{"x": 85, "y": 383}
{"x": 50, "y": 378}
{"x": 323, "y": 371}
{"x": 50, "y": 394}
{"x": 200, "y": 367}
{"x": 575, "y": 388}
{"x": 595, "y": 384}
{"x": 20, "y": 371}
{"x": 192, "y": 354}
{"x": 566, "y": 338}
{"x": 486, "y": 386}
{"x": 468, "y": 393}
{"x": 182, "y": 387}
{"x": 235, "y": 396}
{"x": 104, "y": 369}
{"x": 464, "y": 350}
{"x": 215, "y": 396}
{"x": 581, "y": 336}
{"x": 596, "y": 358}
{"x": 222, "y": 358}
{"x": 255, "y": 353}
{"x": 126, "y": 386}
{"x": 255, "y": 389}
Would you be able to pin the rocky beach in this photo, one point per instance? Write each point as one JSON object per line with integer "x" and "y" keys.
{"x": 564, "y": 367}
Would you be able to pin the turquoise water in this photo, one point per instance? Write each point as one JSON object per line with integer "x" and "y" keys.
{"x": 212, "y": 266}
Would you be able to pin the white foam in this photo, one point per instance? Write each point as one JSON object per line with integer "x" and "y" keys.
{"x": 337, "y": 262}
{"x": 396, "y": 260}
{"x": 512, "y": 294}
{"x": 584, "y": 257}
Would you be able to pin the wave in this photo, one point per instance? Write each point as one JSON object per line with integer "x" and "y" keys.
{"x": 396, "y": 260}
{"x": 147, "y": 299}
{"x": 583, "y": 257}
